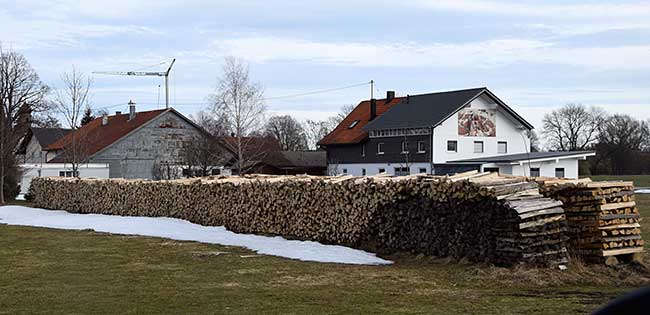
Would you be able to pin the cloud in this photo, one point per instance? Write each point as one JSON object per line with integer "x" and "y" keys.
{"x": 44, "y": 33}
{"x": 480, "y": 54}
{"x": 583, "y": 11}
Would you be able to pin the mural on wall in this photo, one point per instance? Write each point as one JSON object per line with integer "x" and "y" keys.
{"x": 477, "y": 123}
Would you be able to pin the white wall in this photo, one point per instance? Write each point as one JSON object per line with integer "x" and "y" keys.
{"x": 30, "y": 171}
{"x": 373, "y": 168}
{"x": 546, "y": 168}
{"x": 506, "y": 130}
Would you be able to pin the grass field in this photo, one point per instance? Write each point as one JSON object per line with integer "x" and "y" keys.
{"x": 639, "y": 180}
{"x": 63, "y": 272}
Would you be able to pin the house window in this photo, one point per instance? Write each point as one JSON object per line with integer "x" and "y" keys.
{"x": 402, "y": 171}
{"x": 452, "y": 146}
{"x": 491, "y": 169}
{"x": 354, "y": 123}
{"x": 502, "y": 147}
{"x": 422, "y": 147}
{"x": 534, "y": 172}
{"x": 382, "y": 170}
{"x": 363, "y": 172}
{"x": 559, "y": 172}
{"x": 405, "y": 147}
{"x": 345, "y": 171}
{"x": 65, "y": 173}
{"x": 423, "y": 170}
{"x": 478, "y": 146}
{"x": 363, "y": 150}
{"x": 380, "y": 148}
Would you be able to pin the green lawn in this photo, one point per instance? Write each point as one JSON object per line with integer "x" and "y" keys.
{"x": 82, "y": 272}
{"x": 639, "y": 180}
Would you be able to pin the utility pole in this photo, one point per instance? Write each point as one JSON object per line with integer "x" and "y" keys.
{"x": 146, "y": 73}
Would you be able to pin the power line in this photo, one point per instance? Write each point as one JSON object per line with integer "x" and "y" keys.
{"x": 200, "y": 103}
{"x": 316, "y": 92}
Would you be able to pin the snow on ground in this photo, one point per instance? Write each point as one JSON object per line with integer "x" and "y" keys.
{"x": 185, "y": 231}
{"x": 642, "y": 191}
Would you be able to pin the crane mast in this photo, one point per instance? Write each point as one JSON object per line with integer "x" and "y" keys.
{"x": 148, "y": 74}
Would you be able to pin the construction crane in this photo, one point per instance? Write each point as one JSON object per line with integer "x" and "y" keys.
{"x": 146, "y": 73}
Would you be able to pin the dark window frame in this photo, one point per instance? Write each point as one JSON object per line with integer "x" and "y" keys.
{"x": 560, "y": 169}
{"x": 455, "y": 144}
{"x": 535, "y": 170}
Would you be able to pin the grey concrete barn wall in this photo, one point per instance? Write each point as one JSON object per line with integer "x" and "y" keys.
{"x": 159, "y": 141}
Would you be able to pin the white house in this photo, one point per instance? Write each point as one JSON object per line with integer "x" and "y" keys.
{"x": 31, "y": 171}
{"x": 440, "y": 133}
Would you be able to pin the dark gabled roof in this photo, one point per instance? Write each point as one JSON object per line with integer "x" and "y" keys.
{"x": 429, "y": 110}
{"x": 509, "y": 158}
{"x": 343, "y": 134}
{"x": 297, "y": 159}
{"x": 47, "y": 136}
{"x": 44, "y": 136}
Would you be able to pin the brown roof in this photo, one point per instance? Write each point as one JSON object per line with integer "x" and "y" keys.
{"x": 98, "y": 137}
{"x": 342, "y": 134}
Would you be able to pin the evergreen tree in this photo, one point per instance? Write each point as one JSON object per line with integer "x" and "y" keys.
{"x": 88, "y": 116}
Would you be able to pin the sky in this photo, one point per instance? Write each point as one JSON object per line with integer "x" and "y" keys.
{"x": 534, "y": 55}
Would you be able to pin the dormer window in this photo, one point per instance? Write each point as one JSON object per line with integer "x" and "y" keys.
{"x": 353, "y": 124}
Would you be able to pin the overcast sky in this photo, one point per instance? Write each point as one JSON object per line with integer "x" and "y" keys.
{"x": 534, "y": 55}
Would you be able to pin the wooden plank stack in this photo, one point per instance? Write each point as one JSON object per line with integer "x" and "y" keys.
{"x": 602, "y": 216}
{"x": 532, "y": 229}
{"x": 479, "y": 216}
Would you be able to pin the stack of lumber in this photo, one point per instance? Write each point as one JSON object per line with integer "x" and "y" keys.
{"x": 477, "y": 216}
{"x": 532, "y": 227}
{"x": 602, "y": 216}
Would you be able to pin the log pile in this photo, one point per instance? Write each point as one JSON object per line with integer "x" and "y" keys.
{"x": 602, "y": 216}
{"x": 479, "y": 216}
{"x": 533, "y": 229}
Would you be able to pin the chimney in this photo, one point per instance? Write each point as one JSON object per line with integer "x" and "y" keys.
{"x": 131, "y": 110}
{"x": 408, "y": 98}
{"x": 104, "y": 119}
{"x": 373, "y": 109}
{"x": 118, "y": 113}
{"x": 390, "y": 95}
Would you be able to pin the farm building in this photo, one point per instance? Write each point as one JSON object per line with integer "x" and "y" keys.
{"x": 440, "y": 133}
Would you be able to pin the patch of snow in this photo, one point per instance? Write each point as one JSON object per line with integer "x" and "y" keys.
{"x": 182, "y": 230}
{"x": 642, "y": 191}
{"x": 20, "y": 197}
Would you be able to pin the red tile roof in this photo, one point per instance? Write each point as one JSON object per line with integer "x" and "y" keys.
{"x": 96, "y": 137}
{"x": 342, "y": 134}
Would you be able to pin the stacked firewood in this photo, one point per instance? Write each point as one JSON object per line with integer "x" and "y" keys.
{"x": 532, "y": 229}
{"x": 478, "y": 216}
{"x": 602, "y": 216}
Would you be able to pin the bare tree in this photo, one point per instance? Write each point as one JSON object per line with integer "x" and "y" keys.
{"x": 21, "y": 94}
{"x": 317, "y": 130}
{"x": 573, "y": 127}
{"x": 288, "y": 131}
{"x": 216, "y": 126}
{"x": 534, "y": 140}
{"x": 240, "y": 103}
{"x": 70, "y": 102}
{"x": 620, "y": 139}
{"x": 203, "y": 154}
{"x": 314, "y": 132}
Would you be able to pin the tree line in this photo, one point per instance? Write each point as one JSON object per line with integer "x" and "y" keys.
{"x": 621, "y": 142}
